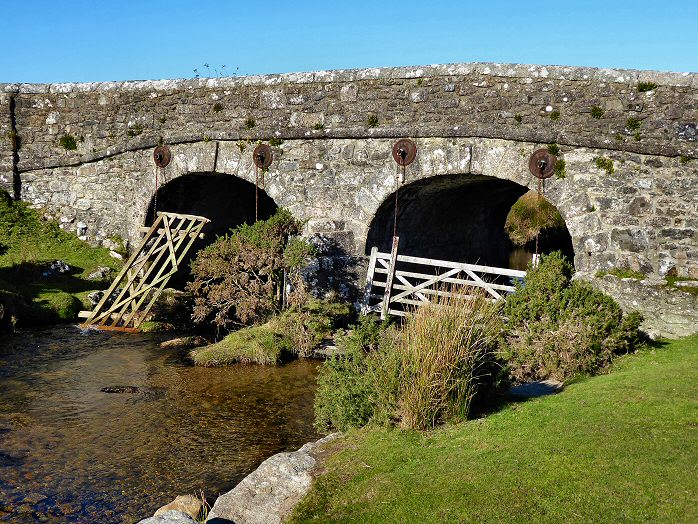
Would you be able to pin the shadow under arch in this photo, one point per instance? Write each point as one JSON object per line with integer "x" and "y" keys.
{"x": 457, "y": 217}
{"x": 226, "y": 200}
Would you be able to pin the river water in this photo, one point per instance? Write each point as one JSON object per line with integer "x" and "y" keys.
{"x": 70, "y": 452}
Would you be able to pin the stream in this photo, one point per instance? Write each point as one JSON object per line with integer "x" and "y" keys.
{"x": 70, "y": 452}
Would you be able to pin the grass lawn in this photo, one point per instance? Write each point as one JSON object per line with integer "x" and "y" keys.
{"x": 621, "y": 447}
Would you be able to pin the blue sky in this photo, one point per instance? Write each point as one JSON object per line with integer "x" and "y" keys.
{"x": 97, "y": 40}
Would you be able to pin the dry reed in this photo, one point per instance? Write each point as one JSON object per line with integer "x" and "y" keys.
{"x": 445, "y": 347}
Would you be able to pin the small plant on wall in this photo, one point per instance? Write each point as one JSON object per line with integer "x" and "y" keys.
{"x": 530, "y": 215}
{"x": 68, "y": 142}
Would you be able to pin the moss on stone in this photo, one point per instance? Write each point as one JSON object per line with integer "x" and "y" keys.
{"x": 250, "y": 345}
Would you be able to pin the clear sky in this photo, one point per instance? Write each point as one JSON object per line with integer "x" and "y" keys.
{"x": 96, "y": 40}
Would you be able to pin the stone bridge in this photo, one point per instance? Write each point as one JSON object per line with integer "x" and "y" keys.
{"x": 629, "y": 194}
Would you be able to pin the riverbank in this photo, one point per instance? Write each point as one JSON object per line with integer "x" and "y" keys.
{"x": 46, "y": 272}
{"x": 617, "y": 447}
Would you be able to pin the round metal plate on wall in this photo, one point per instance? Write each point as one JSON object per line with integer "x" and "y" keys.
{"x": 542, "y": 164}
{"x": 262, "y": 156}
{"x": 162, "y": 156}
{"x": 404, "y": 151}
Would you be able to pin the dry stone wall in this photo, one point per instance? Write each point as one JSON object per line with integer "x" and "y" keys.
{"x": 333, "y": 132}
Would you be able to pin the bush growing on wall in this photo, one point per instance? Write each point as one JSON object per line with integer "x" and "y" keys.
{"x": 558, "y": 327}
{"x": 238, "y": 279}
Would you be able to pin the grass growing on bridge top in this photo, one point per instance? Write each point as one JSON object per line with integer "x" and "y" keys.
{"x": 621, "y": 447}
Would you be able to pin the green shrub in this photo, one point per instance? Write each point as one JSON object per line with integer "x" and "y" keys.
{"x": 238, "y": 278}
{"x": 347, "y": 394}
{"x": 372, "y": 120}
{"x": 558, "y": 328}
{"x": 643, "y": 87}
{"x": 421, "y": 375}
{"x": 605, "y": 164}
{"x": 250, "y": 345}
{"x": 68, "y": 142}
{"x": 596, "y": 112}
{"x": 311, "y": 322}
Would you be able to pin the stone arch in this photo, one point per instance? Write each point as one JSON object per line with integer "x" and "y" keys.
{"x": 455, "y": 204}
{"x": 226, "y": 200}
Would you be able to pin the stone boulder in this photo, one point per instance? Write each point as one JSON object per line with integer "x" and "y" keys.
{"x": 269, "y": 494}
{"x": 169, "y": 517}
{"x": 188, "y": 504}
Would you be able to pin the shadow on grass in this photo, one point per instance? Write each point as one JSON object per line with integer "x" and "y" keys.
{"x": 28, "y": 297}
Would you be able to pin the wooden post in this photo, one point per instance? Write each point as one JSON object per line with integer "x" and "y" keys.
{"x": 369, "y": 280}
{"x": 391, "y": 275}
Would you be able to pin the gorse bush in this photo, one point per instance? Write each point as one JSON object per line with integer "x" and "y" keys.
{"x": 558, "y": 327}
{"x": 238, "y": 279}
{"x": 417, "y": 376}
{"x": 351, "y": 390}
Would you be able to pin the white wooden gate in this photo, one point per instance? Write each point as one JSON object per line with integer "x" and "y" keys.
{"x": 395, "y": 283}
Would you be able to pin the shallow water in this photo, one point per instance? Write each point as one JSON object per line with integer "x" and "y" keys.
{"x": 72, "y": 453}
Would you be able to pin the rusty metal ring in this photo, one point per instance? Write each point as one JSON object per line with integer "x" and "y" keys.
{"x": 162, "y": 156}
{"x": 262, "y": 156}
{"x": 542, "y": 164}
{"x": 404, "y": 151}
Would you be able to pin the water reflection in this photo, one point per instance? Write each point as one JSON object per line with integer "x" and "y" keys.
{"x": 70, "y": 452}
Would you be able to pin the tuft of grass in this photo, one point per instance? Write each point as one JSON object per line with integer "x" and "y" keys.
{"x": 446, "y": 348}
{"x": 275, "y": 142}
{"x": 616, "y": 447}
{"x": 135, "y": 130}
{"x": 643, "y": 87}
{"x": 553, "y": 149}
{"x": 68, "y": 142}
{"x": 554, "y": 116}
{"x": 605, "y": 164}
{"x": 372, "y": 120}
{"x": 596, "y": 112}
{"x": 632, "y": 124}
{"x": 518, "y": 119}
{"x": 529, "y": 215}
{"x": 319, "y": 126}
{"x": 249, "y": 122}
{"x": 560, "y": 169}
{"x": 217, "y": 107}
{"x": 671, "y": 283}
{"x": 152, "y": 326}
{"x": 249, "y": 345}
{"x": 684, "y": 159}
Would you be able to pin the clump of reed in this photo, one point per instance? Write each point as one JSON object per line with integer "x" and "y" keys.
{"x": 447, "y": 349}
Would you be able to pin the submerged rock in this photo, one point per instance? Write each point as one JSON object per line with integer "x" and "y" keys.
{"x": 184, "y": 343}
{"x": 120, "y": 389}
{"x": 269, "y": 494}
{"x": 188, "y": 504}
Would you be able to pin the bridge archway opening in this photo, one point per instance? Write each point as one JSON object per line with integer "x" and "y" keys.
{"x": 227, "y": 201}
{"x": 459, "y": 218}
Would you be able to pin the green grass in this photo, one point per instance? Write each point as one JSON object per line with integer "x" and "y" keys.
{"x": 250, "y": 345}
{"x": 621, "y": 447}
{"x": 27, "y": 245}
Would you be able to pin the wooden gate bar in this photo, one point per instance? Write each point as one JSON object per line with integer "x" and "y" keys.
{"x": 412, "y": 288}
{"x": 146, "y": 272}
